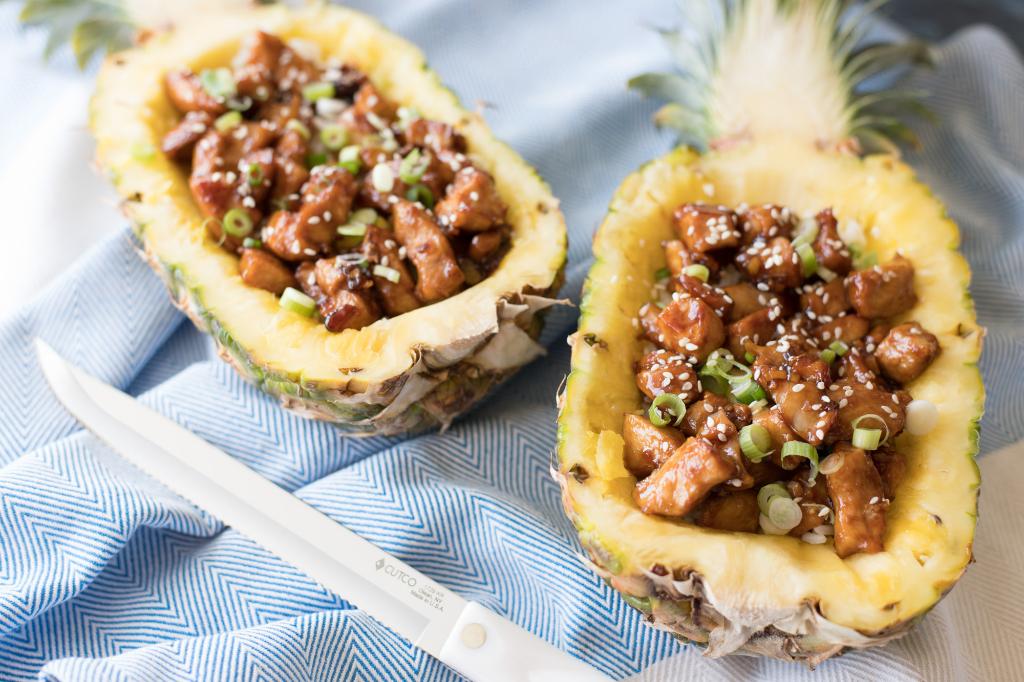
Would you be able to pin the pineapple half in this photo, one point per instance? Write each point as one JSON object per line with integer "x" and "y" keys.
{"x": 414, "y": 371}
{"x": 769, "y": 90}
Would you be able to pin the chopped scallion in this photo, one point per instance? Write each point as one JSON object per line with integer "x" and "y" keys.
{"x": 383, "y": 178}
{"x": 320, "y": 90}
{"x": 769, "y": 492}
{"x": 219, "y": 83}
{"x": 352, "y": 230}
{"x": 748, "y": 391}
{"x": 828, "y": 355}
{"x": 298, "y": 126}
{"x": 421, "y": 193}
{"x": 667, "y": 404}
{"x": 314, "y": 159}
{"x": 254, "y": 174}
{"x": 390, "y": 274}
{"x": 866, "y": 439}
{"x": 755, "y": 442}
{"x": 228, "y": 121}
{"x": 785, "y": 513}
{"x": 237, "y": 223}
{"x": 412, "y": 168}
{"x": 661, "y": 273}
{"x": 697, "y": 270}
{"x": 839, "y": 348}
{"x": 251, "y": 243}
{"x": 808, "y": 261}
{"x": 795, "y": 448}
{"x": 297, "y": 302}
{"x": 334, "y": 137}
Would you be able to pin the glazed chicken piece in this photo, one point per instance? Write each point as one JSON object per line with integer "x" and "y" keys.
{"x": 262, "y": 270}
{"x": 281, "y": 107}
{"x": 691, "y": 327}
{"x": 346, "y": 79}
{"x": 859, "y": 503}
{"x": 187, "y": 93}
{"x": 662, "y": 371}
{"x": 472, "y": 203}
{"x": 379, "y": 248}
{"x": 774, "y": 264}
{"x": 892, "y": 467}
{"x": 709, "y": 404}
{"x": 678, "y": 257}
{"x": 737, "y": 512}
{"x": 290, "y": 172}
{"x": 293, "y": 71}
{"x": 756, "y": 329}
{"x": 179, "y": 143}
{"x": 256, "y": 63}
{"x": 906, "y": 352}
{"x": 438, "y": 273}
{"x": 326, "y": 200}
{"x": 882, "y": 290}
{"x": 719, "y": 301}
{"x": 813, "y": 498}
{"x": 369, "y": 110}
{"x": 824, "y": 302}
{"x": 746, "y": 299}
{"x": 706, "y": 228}
{"x": 719, "y": 429}
{"x": 829, "y": 248}
{"x": 857, "y": 399}
{"x": 846, "y": 328}
{"x": 679, "y": 485}
{"x": 766, "y": 222}
{"x": 780, "y": 433}
{"x": 647, "y": 446}
{"x": 647, "y": 321}
{"x": 434, "y": 135}
{"x": 483, "y": 245}
{"x": 341, "y": 289}
{"x": 798, "y": 385}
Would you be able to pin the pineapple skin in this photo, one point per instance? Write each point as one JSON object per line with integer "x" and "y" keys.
{"x": 756, "y": 594}
{"x": 407, "y": 374}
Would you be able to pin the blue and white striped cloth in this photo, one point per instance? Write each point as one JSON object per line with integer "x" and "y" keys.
{"x": 105, "y": 575}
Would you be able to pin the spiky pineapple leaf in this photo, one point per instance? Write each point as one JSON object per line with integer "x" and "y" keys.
{"x": 87, "y": 26}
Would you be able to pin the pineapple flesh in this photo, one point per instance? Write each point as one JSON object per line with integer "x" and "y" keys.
{"x": 737, "y": 592}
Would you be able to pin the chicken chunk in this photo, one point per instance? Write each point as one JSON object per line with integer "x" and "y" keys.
{"x": 256, "y": 63}
{"x": 813, "y": 498}
{"x": 780, "y": 433}
{"x": 262, "y": 270}
{"x": 326, "y": 201}
{"x": 798, "y": 385}
{"x": 829, "y": 248}
{"x": 746, "y": 299}
{"x": 438, "y": 273}
{"x": 846, "y": 328}
{"x": 706, "y": 228}
{"x": 369, "y": 110}
{"x": 187, "y": 93}
{"x": 647, "y": 446}
{"x": 719, "y": 429}
{"x": 678, "y": 257}
{"x": 774, "y": 264}
{"x": 661, "y": 371}
{"x": 484, "y": 245}
{"x": 341, "y": 289}
{"x": 181, "y": 140}
{"x": 755, "y": 329}
{"x": 472, "y": 204}
{"x": 434, "y": 135}
{"x": 380, "y": 248}
{"x": 290, "y": 172}
{"x": 293, "y": 71}
{"x": 719, "y": 301}
{"x": 679, "y": 485}
{"x": 709, "y": 404}
{"x": 737, "y": 512}
{"x": 647, "y": 321}
{"x": 859, "y": 503}
{"x": 823, "y": 303}
{"x": 857, "y": 399}
{"x": 882, "y": 290}
{"x": 892, "y": 467}
{"x": 690, "y": 326}
{"x": 906, "y": 352}
{"x": 766, "y": 221}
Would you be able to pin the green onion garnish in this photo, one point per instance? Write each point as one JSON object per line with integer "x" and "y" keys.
{"x": 809, "y": 232}
{"x": 348, "y": 158}
{"x": 825, "y": 273}
{"x": 808, "y": 261}
{"x": 866, "y": 439}
{"x": 697, "y": 270}
{"x": 667, "y": 403}
{"x": 412, "y": 168}
{"x": 315, "y": 91}
{"x": 298, "y": 126}
{"x": 390, "y": 274}
{"x": 871, "y": 417}
{"x": 228, "y": 121}
{"x": 755, "y": 442}
{"x": 143, "y": 151}
{"x": 795, "y": 448}
{"x": 237, "y": 223}
{"x": 314, "y": 159}
{"x": 748, "y": 391}
{"x": 749, "y": 357}
{"x": 828, "y": 355}
{"x": 254, "y": 174}
{"x": 862, "y": 258}
{"x": 661, "y": 273}
{"x": 334, "y": 137}
{"x": 785, "y": 513}
{"x": 758, "y": 405}
{"x": 352, "y": 230}
{"x": 421, "y": 193}
{"x": 382, "y": 177}
{"x": 839, "y": 348}
{"x": 297, "y": 302}
{"x": 218, "y": 83}
{"x": 366, "y": 216}
{"x": 769, "y": 492}
{"x": 251, "y": 243}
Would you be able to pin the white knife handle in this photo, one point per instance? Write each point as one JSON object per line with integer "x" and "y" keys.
{"x": 483, "y": 646}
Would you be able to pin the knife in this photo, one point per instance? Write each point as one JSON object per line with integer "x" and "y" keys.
{"x": 465, "y": 635}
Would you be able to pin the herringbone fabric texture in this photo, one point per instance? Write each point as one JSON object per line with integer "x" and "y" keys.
{"x": 104, "y": 575}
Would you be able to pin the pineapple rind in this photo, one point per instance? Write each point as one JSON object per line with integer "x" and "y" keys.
{"x": 768, "y": 595}
{"x": 407, "y": 373}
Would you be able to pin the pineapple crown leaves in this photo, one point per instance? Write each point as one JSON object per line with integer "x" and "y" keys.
{"x": 805, "y": 55}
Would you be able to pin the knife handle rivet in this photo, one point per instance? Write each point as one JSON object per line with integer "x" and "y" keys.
{"x": 473, "y": 636}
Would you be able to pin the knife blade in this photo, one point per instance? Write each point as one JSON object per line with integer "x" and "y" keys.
{"x": 473, "y": 640}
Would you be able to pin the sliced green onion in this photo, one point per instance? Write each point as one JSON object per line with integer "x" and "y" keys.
{"x": 314, "y": 91}
{"x": 697, "y": 270}
{"x": 669, "y": 403}
{"x": 314, "y": 159}
{"x": 769, "y": 492}
{"x": 825, "y": 273}
{"x": 366, "y": 216}
{"x": 228, "y": 121}
{"x": 768, "y": 527}
{"x": 755, "y": 442}
{"x": 661, "y": 273}
{"x": 218, "y": 83}
{"x": 828, "y": 355}
{"x": 298, "y": 126}
{"x": 795, "y": 448}
{"x": 748, "y": 391}
{"x": 866, "y": 439}
{"x": 297, "y": 302}
{"x": 353, "y": 230}
{"x": 334, "y": 137}
{"x": 348, "y": 158}
{"x": 862, "y": 259}
{"x": 383, "y": 178}
{"x": 390, "y": 274}
{"x": 758, "y": 405}
{"x": 412, "y": 168}
{"x": 839, "y": 348}
{"x": 254, "y": 174}
{"x": 808, "y": 232}
{"x": 881, "y": 422}
{"x": 785, "y": 513}
{"x": 251, "y": 243}
{"x": 715, "y": 384}
{"x": 749, "y": 357}
{"x": 142, "y": 151}
{"x": 808, "y": 261}
{"x": 421, "y": 193}
{"x": 237, "y": 223}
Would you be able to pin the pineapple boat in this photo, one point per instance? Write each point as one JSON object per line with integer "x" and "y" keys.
{"x": 766, "y": 439}
{"x": 357, "y": 244}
